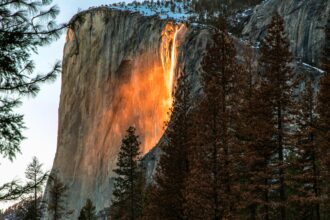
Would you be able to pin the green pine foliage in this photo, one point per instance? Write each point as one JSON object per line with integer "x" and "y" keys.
{"x": 15, "y": 189}
{"x": 56, "y": 198}
{"x": 128, "y": 186}
{"x": 25, "y": 26}
{"x": 88, "y": 211}
{"x": 208, "y": 10}
{"x": 36, "y": 178}
{"x": 23, "y": 210}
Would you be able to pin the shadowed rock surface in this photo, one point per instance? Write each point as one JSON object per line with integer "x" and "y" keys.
{"x": 304, "y": 21}
{"x": 105, "y": 49}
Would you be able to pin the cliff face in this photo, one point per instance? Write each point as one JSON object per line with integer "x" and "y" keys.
{"x": 111, "y": 59}
{"x": 117, "y": 70}
{"x": 304, "y": 20}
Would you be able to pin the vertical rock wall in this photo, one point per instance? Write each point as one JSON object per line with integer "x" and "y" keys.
{"x": 106, "y": 56}
{"x": 112, "y": 60}
{"x": 304, "y": 21}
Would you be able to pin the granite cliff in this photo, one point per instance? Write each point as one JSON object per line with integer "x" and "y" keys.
{"x": 117, "y": 68}
{"x": 304, "y": 20}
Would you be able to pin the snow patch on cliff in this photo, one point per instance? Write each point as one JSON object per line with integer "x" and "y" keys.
{"x": 178, "y": 11}
{"x": 312, "y": 67}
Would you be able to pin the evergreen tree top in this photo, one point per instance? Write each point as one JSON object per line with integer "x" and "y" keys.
{"x": 88, "y": 211}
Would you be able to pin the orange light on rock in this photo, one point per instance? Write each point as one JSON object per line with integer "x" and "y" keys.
{"x": 145, "y": 94}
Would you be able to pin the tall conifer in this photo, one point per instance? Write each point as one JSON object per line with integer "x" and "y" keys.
{"x": 128, "y": 188}
{"x": 306, "y": 172}
{"x": 324, "y": 123}
{"x": 56, "y": 198}
{"x": 166, "y": 198}
{"x": 277, "y": 90}
{"x": 212, "y": 190}
{"x": 88, "y": 211}
{"x": 36, "y": 178}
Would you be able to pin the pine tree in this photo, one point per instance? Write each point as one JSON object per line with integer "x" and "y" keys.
{"x": 306, "y": 172}
{"x": 259, "y": 148}
{"x": 36, "y": 178}
{"x": 25, "y": 26}
{"x": 210, "y": 10}
{"x": 254, "y": 153}
{"x": 277, "y": 87}
{"x": 324, "y": 123}
{"x": 14, "y": 189}
{"x": 23, "y": 210}
{"x": 212, "y": 190}
{"x": 167, "y": 199}
{"x": 128, "y": 187}
{"x": 56, "y": 198}
{"x": 88, "y": 211}
{"x": 26, "y": 209}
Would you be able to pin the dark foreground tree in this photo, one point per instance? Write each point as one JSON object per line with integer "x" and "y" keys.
{"x": 324, "y": 125}
{"x": 15, "y": 189}
{"x": 88, "y": 211}
{"x": 128, "y": 187}
{"x": 306, "y": 170}
{"x": 36, "y": 178}
{"x": 212, "y": 190}
{"x": 277, "y": 90}
{"x": 23, "y": 210}
{"x": 166, "y": 197}
{"x": 56, "y": 198}
{"x": 25, "y": 25}
{"x": 254, "y": 137}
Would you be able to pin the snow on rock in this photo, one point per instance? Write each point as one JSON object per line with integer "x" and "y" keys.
{"x": 178, "y": 11}
{"x": 312, "y": 67}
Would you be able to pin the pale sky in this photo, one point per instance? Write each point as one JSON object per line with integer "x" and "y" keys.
{"x": 41, "y": 112}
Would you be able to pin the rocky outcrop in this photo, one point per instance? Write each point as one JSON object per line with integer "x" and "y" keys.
{"x": 105, "y": 54}
{"x": 304, "y": 20}
{"x": 115, "y": 67}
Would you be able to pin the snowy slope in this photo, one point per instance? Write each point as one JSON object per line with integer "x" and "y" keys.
{"x": 178, "y": 11}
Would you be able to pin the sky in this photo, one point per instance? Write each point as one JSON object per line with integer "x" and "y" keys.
{"x": 41, "y": 112}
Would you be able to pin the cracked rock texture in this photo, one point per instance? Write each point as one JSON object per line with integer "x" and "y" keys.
{"x": 304, "y": 20}
{"x": 103, "y": 47}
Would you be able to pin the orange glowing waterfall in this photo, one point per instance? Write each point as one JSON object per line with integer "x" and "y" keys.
{"x": 144, "y": 98}
{"x": 172, "y": 35}
{"x": 173, "y": 62}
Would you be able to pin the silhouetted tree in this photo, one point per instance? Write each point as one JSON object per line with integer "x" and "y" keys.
{"x": 306, "y": 173}
{"x": 324, "y": 124}
{"x": 128, "y": 187}
{"x": 23, "y": 210}
{"x": 277, "y": 90}
{"x": 15, "y": 189}
{"x": 253, "y": 138}
{"x": 25, "y": 25}
{"x": 36, "y": 178}
{"x": 166, "y": 197}
{"x": 56, "y": 198}
{"x": 209, "y": 10}
{"x": 212, "y": 190}
{"x": 88, "y": 211}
